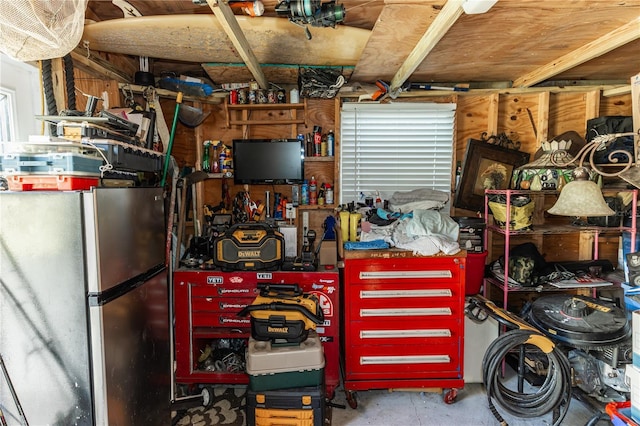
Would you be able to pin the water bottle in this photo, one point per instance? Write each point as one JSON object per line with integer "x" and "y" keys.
{"x": 206, "y": 165}
{"x": 304, "y": 193}
{"x": 331, "y": 139}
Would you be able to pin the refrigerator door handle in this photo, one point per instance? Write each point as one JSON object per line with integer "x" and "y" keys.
{"x": 101, "y": 298}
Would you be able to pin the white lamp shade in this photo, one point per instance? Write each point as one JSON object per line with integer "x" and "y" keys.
{"x": 581, "y": 198}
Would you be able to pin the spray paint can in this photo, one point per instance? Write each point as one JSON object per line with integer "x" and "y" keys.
{"x": 331, "y": 140}
{"x": 328, "y": 193}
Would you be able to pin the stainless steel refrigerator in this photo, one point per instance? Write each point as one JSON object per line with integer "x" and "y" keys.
{"x": 84, "y": 308}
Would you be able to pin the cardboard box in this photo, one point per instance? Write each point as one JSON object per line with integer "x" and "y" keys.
{"x": 632, "y": 376}
{"x": 328, "y": 253}
{"x": 635, "y": 326}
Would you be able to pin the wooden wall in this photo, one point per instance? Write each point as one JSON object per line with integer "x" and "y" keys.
{"x": 529, "y": 116}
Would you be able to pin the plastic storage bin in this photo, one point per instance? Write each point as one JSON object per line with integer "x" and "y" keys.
{"x": 474, "y": 272}
{"x": 296, "y": 407}
{"x": 271, "y": 366}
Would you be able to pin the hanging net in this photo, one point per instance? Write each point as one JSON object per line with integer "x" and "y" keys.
{"x": 40, "y": 29}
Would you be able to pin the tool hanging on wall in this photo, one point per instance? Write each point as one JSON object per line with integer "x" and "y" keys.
{"x": 173, "y": 134}
{"x": 303, "y": 12}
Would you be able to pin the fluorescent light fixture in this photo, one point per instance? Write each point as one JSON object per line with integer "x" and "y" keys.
{"x": 474, "y": 7}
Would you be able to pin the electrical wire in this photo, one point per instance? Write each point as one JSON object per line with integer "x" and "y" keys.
{"x": 554, "y": 394}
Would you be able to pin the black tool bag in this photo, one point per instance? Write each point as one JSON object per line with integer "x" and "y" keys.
{"x": 283, "y": 312}
{"x": 609, "y": 125}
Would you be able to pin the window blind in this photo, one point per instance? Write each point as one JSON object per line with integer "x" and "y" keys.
{"x": 395, "y": 147}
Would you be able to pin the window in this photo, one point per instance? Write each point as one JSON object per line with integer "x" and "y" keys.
{"x": 395, "y": 147}
{"x": 7, "y": 115}
{"x": 20, "y": 101}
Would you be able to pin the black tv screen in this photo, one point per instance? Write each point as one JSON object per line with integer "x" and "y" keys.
{"x": 268, "y": 161}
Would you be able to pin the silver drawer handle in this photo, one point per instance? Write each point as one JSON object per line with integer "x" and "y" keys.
{"x": 378, "y": 334}
{"x": 382, "y": 294}
{"x": 375, "y": 275}
{"x": 404, "y": 312}
{"x": 410, "y": 359}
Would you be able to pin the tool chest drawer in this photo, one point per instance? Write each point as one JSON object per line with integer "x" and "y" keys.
{"x": 399, "y": 332}
{"x": 404, "y": 361}
{"x": 403, "y": 320}
{"x": 441, "y": 271}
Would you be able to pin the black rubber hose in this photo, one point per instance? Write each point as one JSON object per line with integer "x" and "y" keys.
{"x": 596, "y": 418}
{"x": 70, "y": 82}
{"x": 553, "y": 395}
{"x": 49, "y": 98}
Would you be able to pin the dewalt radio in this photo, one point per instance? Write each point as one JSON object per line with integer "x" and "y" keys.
{"x": 249, "y": 247}
{"x": 283, "y": 312}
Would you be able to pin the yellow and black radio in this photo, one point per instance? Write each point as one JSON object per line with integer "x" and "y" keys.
{"x": 249, "y": 247}
{"x": 283, "y": 312}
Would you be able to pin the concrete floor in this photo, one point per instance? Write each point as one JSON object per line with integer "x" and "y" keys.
{"x": 402, "y": 408}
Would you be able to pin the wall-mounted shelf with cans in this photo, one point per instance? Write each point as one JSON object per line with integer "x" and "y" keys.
{"x": 266, "y": 115}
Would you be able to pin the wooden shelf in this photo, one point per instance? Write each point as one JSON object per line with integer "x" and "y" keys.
{"x": 319, "y": 159}
{"x": 317, "y": 207}
{"x": 560, "y": 229}
{"x": 232, "y": 110}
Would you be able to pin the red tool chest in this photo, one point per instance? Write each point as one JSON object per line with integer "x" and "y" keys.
{"x": 403, "y": 321}
{"x": 206, "y": 304}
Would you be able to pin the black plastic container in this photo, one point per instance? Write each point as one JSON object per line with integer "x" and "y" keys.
{"x": 471, "y": 237}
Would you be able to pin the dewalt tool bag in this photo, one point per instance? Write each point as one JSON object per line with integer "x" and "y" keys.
{"x": 283, "y": 312}
{"x": 249, "y": 247}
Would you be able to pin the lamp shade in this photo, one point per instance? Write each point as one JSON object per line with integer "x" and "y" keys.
{"x": 581, "y": 198}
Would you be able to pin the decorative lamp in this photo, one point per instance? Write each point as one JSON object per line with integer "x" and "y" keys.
{"x": 581, "y": 196}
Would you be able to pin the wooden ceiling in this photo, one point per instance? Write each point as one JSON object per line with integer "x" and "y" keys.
{"x": 517, "y": 43}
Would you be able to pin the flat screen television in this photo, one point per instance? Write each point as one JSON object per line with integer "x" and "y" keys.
{"x": 268, "y": 161}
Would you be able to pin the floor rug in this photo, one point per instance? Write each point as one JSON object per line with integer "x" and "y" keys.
{"x": 228, "y": 407}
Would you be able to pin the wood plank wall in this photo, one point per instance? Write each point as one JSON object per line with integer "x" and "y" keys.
{"x": 528, "y": 117}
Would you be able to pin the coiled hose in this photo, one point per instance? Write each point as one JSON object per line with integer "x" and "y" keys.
{"x": 553, "y": 395}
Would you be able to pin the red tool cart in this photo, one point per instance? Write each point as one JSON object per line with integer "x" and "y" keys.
{"x": 206, "y": 308}
{"x": 403, "y": 321}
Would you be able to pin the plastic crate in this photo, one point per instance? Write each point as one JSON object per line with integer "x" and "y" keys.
{"x": 272, "y": 366}
{"x": 49, "y": 163}
{"x": 51, "y": 183}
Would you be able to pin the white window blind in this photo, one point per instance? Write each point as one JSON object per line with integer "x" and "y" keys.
{"x": 395, "y": 147}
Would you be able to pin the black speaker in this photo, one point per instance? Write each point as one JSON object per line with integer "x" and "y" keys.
{"x": 633, "y": 267}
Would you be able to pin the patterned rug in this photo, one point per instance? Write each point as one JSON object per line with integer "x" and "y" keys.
{"x": 227, "y": 408}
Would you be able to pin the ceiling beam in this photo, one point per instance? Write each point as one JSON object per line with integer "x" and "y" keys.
{"x": 229, "y": 23}
{"x": 95, "y": 65}
{"x": 608, "y": 42}
{"x": 449, "y": 14}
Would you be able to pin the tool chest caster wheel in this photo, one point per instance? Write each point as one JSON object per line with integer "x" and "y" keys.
{"x": 207, "y": 397}
{"x": 450, "y": 396}
{"x": 351, "y": 399}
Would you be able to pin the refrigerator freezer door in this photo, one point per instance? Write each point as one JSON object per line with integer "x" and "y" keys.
{"x": 43, "y": 310}
{"x": 131, "y": 358}
{"x": 127, "y": 228}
